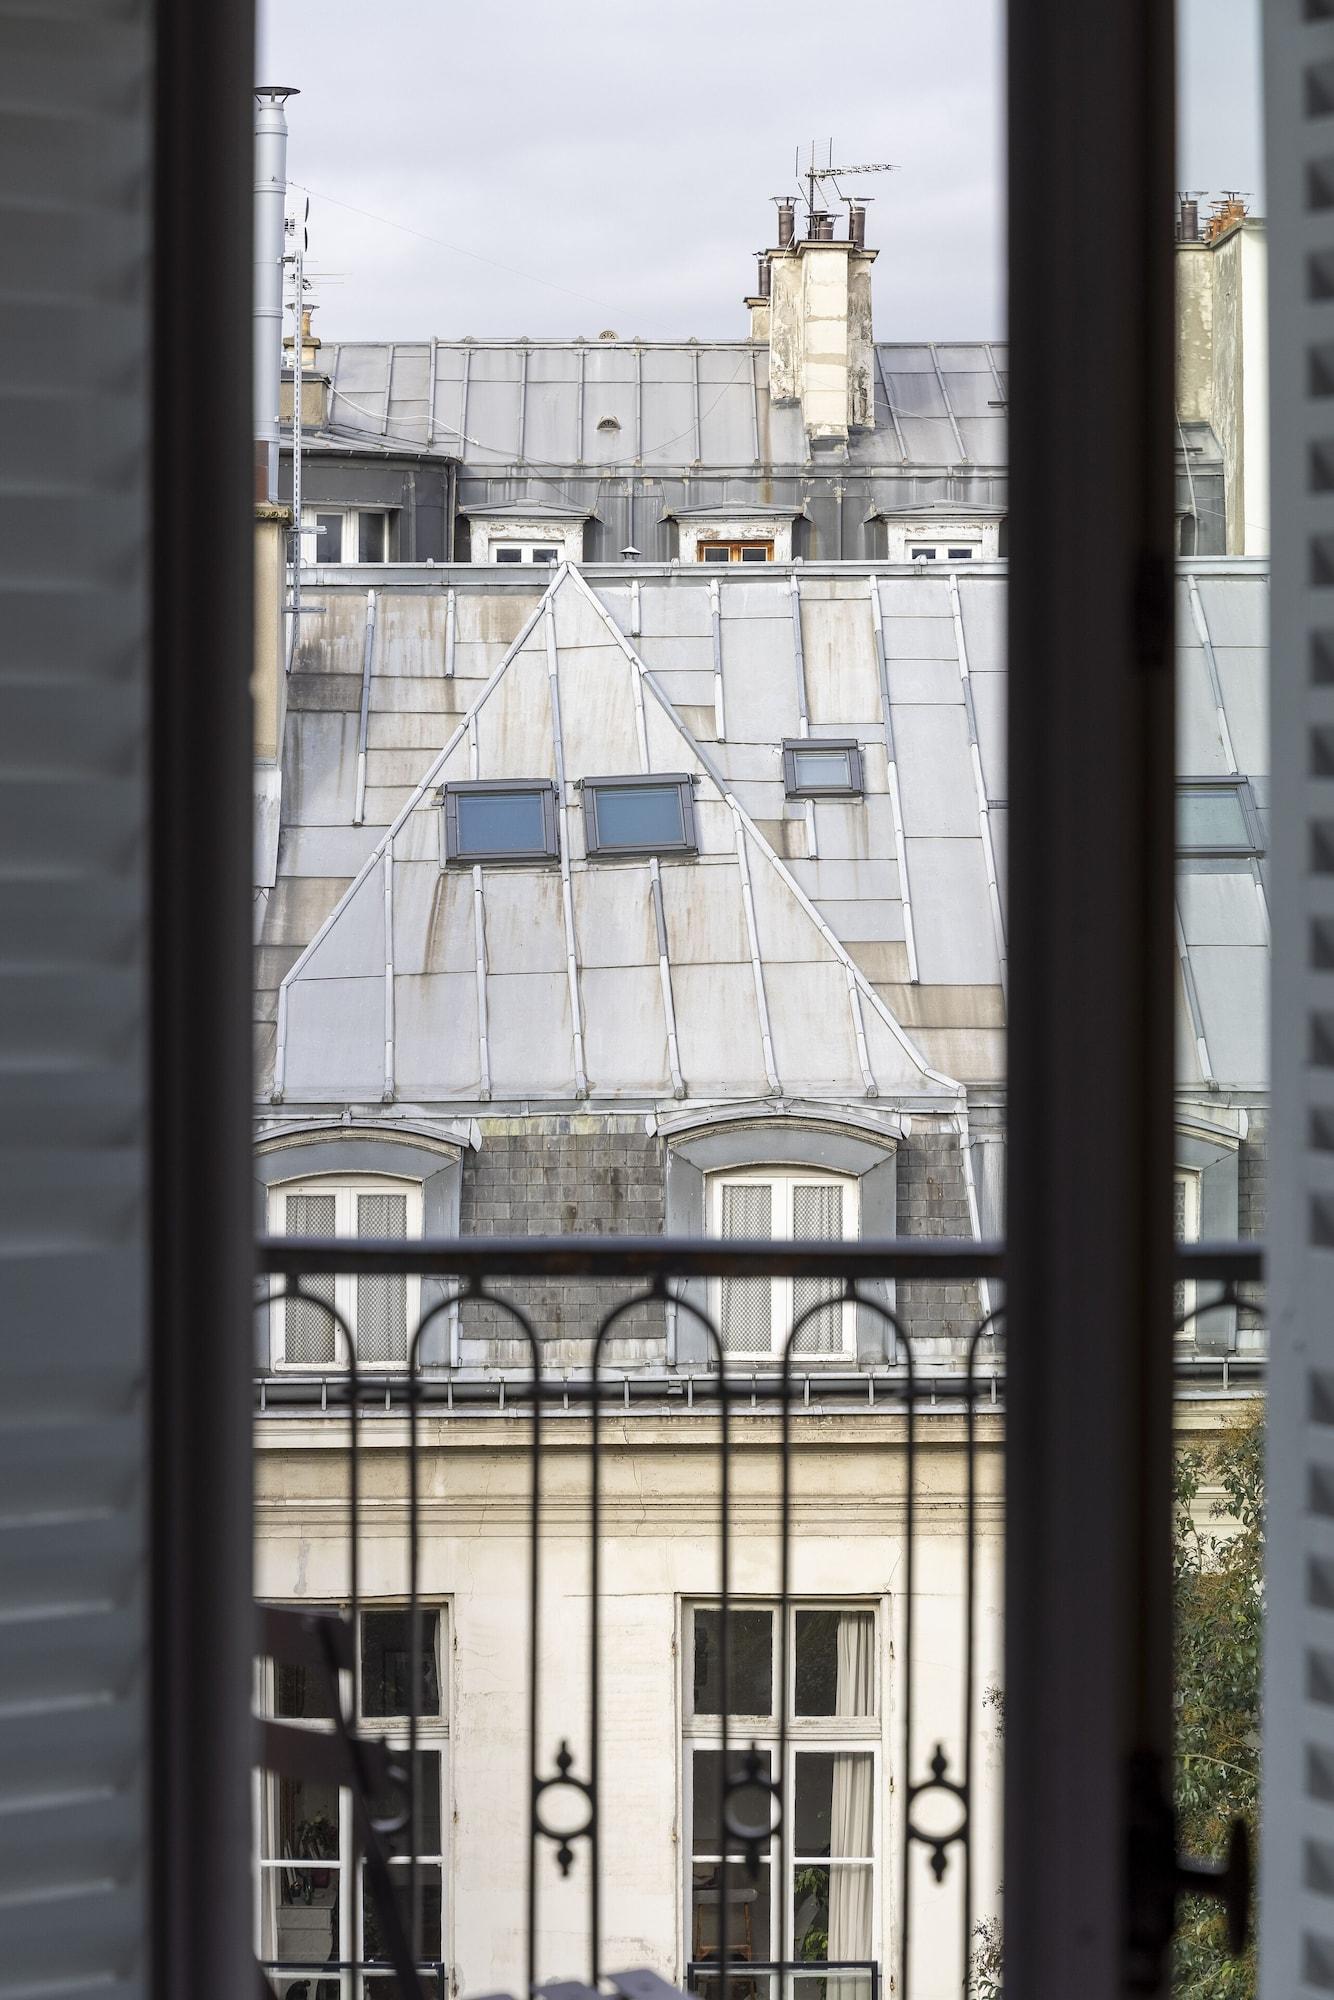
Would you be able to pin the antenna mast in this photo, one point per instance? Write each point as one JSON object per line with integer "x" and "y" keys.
{"x": 815, "y": 176}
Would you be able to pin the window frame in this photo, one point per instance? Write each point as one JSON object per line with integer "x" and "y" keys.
{"x": 1252, "y": 849}
{"x": 433, "y": 1734}
{"x": 512, "y": 553}
{"x": 1185, "y": 1294}
{"x": 738, "y": 549}
{"x": 345, "y": 1188}
{"x": 599, "y": 850}
{"x": 796, "y": 746}
{"x": 953, "y": 550}
{"x": 351, "y": 516}
{"x": 827, "y": 1734}
{"x": 788, "y": 1175}
{"x": 450, "y": 794}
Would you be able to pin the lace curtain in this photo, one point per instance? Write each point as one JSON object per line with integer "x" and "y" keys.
{"x": 852, "y": 1816}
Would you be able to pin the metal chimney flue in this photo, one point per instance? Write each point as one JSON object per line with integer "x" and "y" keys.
{"x": 787, "y": 223}
{"x": 764, "y": 271}
{"x": 270, "y": 208}
{"x": 857, "y": 224}
{"x": 1189, "y": 220}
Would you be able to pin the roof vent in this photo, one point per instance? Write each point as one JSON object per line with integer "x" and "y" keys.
{"x": 609, "y": 423}
{"x": 609, "y": 333}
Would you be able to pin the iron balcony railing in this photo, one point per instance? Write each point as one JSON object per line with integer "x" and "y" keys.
{"x": 934, "y": 1798}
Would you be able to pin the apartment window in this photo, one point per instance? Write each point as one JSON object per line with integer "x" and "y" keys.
{"x": 639, "y": 815}
{"x": 824, "y": 1908}
{"x": 1218, "y": 818}
{"x": 746, "y": 552}
{"x": 498, "y": 819}
{"x": 524, "y": 552}
{"x": 313, "y": 1912}
{"x": 377, "y": 1311}
{"x": 345, "y": 535}
{"x": 815, "y": 768}
{"x": 755, "y": 1316}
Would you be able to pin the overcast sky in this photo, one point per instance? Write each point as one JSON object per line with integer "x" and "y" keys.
{"x": 592, "y": 164}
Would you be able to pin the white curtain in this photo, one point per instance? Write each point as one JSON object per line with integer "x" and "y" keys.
{"x": 852, "y": 1809}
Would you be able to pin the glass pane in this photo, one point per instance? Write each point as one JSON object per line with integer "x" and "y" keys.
{"x": 508, "y": 555}
{"x": 822, "y": 770}
{"x": 1211, "y": 818}
{"x": 755, "y": 555}
{"x": 835, "y": 1666}
{"x": 750, "y": 1663}
{"x": 501, "y": 823}
{"x": 297, "y": 1691}
{"x": 382, "y": 1303}
{"x": 328, "y": 538}
{"x": 831, "y": 1919}
{"x": 426, "y": 1943}
{"x": 372, "y": 536}
{"x": 740, "y": 1985}
{"x": 304, "y": 1825}
{"x": 715, "y": 552}
{"x": 922, "y": 555}
{"x": 747, "y": 1919}
{"x": 817, "y": 1212}
{"x": 960, "y": 555}
{"x": 746, "y": 1316}
{"x": 639, "y": 815}
{"x": 546, "y": 555}
{"x": 833, "y": 1986}
{"x": 299, "y": 1917}
{"x": 391, "y": 1806}
{"x": 386, "y": 1662}
{"x": 310, "y": 1334}
{"x": 835, "y": 1803}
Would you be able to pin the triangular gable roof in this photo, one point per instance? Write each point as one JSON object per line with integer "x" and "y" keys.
{"x": 708, "y": 978}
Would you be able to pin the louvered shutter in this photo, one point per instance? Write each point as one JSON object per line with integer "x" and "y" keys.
{"x": 382, "y": 1303}
{"x": 746, "y": 1315}
{"x": 1297, "y": 1903}
{"x": 817, "y": 1215}
{"x": 74, "y": 378}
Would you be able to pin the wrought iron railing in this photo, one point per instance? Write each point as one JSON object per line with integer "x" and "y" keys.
{"x": 935, "y": 1796}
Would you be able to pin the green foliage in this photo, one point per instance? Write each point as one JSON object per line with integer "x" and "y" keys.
{"x": 1218, "y": 1588}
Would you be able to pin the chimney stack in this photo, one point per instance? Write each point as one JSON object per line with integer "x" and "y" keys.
{"x": 270, "y": 207}
{"x": 817, "y": 321}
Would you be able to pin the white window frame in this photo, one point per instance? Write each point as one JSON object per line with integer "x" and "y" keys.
{"x": 783, "y": 1178}
{"x": 961, "y": 548}
{"x": 940, "y": 534}
{"x": 545, "y": 554}
{"x": 433, "y": 1734}
{"x": 312, "y": 554}
{"x": 829, "y": 1734}
{"x": 345, "y": 1188}
{"x": 1185, "y": 1292}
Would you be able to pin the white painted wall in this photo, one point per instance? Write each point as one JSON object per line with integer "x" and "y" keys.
{"x": 659, "y": 1553}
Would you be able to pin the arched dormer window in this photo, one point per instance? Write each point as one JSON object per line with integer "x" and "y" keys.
{"x": 755, "y": 1316}
{"x": 380, "y": 1312}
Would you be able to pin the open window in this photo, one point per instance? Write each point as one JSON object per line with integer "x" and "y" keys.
{"x": 645, "y": 815}
{"x": 377, "y": 1311}
{"x": 499, "y": 819}
{"x": 313, "y": 1906}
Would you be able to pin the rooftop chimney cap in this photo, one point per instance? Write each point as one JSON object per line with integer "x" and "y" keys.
{"x": 630, "y": 553}
{"x": 278, "y": 90}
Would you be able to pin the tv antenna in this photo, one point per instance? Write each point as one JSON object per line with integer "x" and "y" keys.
{"x": 815, "y": 176}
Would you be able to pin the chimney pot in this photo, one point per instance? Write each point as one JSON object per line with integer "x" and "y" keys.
{"x": 857, "y": 224}
{"x": 787, "y": 223}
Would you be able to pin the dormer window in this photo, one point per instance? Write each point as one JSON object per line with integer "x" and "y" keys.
{"x": 946, "y": 552}
{"x": 345, "y": 535}
{"x": 723, "y": 552}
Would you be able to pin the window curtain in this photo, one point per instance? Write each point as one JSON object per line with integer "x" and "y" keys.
{"x": 817, "y": 1212}
{"x": 852, "y": 1814}
{"x": 382, "y": 1303}
{"x": 747, "y": 1303}
{"x": 311, "y": 1334}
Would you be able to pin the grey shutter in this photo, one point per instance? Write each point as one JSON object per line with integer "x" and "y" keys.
{"x": 1297, "y": 1906}
{"x": 74, "y": 362}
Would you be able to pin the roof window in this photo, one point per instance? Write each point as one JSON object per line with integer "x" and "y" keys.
{"x": 821, "y": 768}
{"x": 645, "y": 815}
{"x": 1218, "y": 817}
{"x": 524, "y": 552}
{"x": 500, "y": 820}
